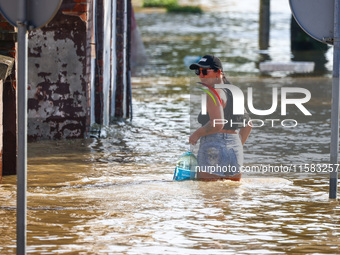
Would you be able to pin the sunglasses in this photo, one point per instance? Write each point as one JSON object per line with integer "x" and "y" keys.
{"x": 204, "y": 71}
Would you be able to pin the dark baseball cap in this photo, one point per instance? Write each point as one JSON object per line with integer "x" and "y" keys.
{"x": 208, "y": 61}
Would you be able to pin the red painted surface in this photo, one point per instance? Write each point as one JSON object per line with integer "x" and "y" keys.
{"x": 76, "y": 8}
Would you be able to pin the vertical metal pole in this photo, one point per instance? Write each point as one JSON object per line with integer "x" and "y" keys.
{"x": 264, "y": 24}
{"x": 125, "y": 48}
{"x": 22, "y": 129}
{"x": 333, "y": 180}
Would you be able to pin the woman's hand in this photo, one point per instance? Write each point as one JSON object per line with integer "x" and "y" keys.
{"x": 193, "y": 138}
{"x": 244, "y": 133}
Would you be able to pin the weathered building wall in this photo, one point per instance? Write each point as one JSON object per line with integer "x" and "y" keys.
{"x": 78, "y": 69}
{"x": 78, "y": 74}
{"x": 88, "y": 80}
{"x": 58, "y": 78}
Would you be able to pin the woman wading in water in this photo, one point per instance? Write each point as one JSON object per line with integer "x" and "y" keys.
{"x": 220, "y": 155}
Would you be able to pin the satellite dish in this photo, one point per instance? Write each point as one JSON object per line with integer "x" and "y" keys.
{"x": 315, "y": 17}
{"x": 39, "y": 12}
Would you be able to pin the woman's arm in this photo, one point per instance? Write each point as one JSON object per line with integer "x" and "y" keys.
{"x": 215, "y": 112}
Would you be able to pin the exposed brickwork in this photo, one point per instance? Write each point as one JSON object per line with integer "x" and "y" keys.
{"x": 77, "y": 8}
{"x": 8, "y": 37}
{"x": 4, "y": 25}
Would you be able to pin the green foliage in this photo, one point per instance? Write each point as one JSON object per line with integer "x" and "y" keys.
{"x": 172, "y": 6}
{"x": 159, "y": 3}
{"x": 184, "y": 9}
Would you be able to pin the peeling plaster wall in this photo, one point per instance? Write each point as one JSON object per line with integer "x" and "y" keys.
{"x": 58, "y": 83}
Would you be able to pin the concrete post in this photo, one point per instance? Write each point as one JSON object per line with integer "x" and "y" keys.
{"x": 264, "y": 24}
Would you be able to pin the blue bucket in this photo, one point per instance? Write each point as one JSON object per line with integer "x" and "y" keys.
{"x": 185, "y": 169}
{"x": 183, "y": 174}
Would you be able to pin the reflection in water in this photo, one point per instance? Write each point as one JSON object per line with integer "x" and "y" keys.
{"x": 116, "y": 194}
{"x": 229, "y": 29}
{"x": 316, "y": 56}
{"x": 305, "y": 48}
